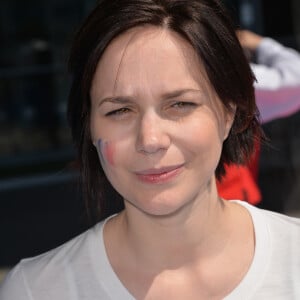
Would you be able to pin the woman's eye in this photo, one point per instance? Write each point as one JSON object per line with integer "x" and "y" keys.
{"x": 181, "y": 108}
{"x": 118, "y": 112}
{"x": 184, "y": 105}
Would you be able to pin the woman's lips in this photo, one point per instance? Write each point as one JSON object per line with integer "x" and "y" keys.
{"x": 161, "y": 175}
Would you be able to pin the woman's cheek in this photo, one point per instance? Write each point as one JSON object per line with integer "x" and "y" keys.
{"x": 106, "y": 151}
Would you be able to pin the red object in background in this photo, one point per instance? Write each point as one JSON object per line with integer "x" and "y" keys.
{"x": 240, "y": 181}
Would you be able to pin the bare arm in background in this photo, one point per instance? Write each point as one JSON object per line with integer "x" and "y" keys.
{"x": 278, "y": 75}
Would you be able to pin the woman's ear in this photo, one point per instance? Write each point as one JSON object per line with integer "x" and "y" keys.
{"x": 229, "y": 119}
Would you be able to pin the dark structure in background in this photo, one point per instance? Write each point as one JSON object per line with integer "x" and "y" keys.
{"x": 40, "y": 203}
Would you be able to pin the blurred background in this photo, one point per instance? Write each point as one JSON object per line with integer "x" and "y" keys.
{"x": 40, "y": 202}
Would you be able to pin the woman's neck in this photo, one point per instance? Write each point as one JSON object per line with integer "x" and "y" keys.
{"x": 206, "y": 250}
{"x": 195, "y": 231}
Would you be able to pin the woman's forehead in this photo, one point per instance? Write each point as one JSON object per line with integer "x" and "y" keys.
{"x": 151, "y": 57}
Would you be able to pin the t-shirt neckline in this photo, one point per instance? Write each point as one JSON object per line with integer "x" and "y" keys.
{"x": 262, "y": 253}
{"x": 107, "y": 276}
{"x": 256, "y": 272}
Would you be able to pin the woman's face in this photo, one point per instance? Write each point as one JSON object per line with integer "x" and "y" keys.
{"x": 156, "y": 123}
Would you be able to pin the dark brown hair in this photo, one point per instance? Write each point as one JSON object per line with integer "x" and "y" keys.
{"x": 207, "y": 27}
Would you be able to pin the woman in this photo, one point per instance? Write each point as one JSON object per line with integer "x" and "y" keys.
{"x": 162, "y": 97}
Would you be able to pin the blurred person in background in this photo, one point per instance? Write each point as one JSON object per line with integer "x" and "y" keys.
{"x": 277, "y": 90}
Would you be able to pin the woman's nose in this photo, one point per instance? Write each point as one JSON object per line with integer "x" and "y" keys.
{"x": 152, "y": 134}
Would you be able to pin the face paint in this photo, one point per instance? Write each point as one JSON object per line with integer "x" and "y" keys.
{"x": 105, "y": 151}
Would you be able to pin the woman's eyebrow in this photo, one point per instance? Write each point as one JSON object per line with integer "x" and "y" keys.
{"x": 178, "y": 93}
{"x": 116, "y": 99}
{"x": 164, "y": 96}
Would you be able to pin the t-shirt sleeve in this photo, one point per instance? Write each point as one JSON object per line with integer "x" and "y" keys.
{"x": 277, "y": 66}
{"x": 14, "y": 286}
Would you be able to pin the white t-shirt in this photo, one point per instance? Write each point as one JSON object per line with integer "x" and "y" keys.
{"x": 80, "y": 269}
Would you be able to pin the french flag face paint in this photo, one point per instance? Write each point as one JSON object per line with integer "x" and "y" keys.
{"x": 106, "y": 151}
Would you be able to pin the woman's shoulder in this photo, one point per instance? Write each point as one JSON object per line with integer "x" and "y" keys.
{"x": 52, "y": 268}
{"x": 71, "y": 251}
{"x": 281, "y": 228}
{"x": 285, "y": 228}
{"x": 276, "y": 261}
